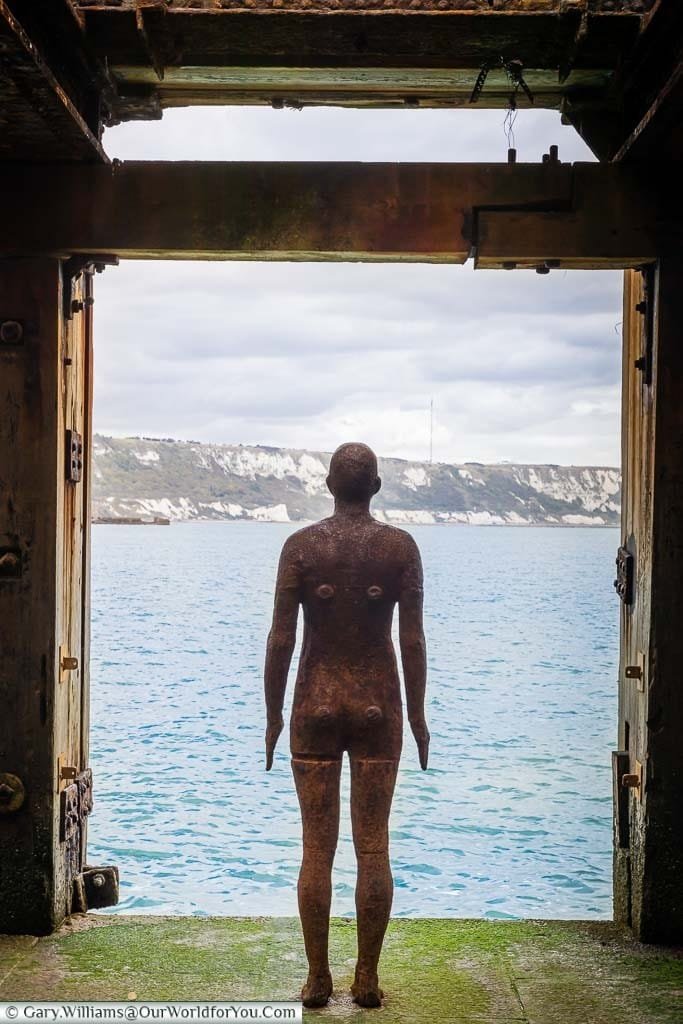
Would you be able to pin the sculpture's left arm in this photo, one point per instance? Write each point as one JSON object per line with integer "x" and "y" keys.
{"x": 412, "y": 644}
{"x": 280, "y": 647}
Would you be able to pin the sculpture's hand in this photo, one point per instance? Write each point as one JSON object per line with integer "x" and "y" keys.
{"x": 421, "y": 734}
{"x": 273, "y": 731}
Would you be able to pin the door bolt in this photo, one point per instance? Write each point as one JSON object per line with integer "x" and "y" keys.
{"x": 634, "y": 780}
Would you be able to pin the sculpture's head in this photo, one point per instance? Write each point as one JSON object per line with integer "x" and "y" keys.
{"x": 353, "y": 473}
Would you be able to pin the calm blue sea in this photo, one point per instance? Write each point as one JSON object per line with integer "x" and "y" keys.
{"x": 513, "y": 818}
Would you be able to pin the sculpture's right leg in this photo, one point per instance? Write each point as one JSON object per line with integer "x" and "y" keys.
{"x": 372, "y": 789}
{"x": 317, "y": 786}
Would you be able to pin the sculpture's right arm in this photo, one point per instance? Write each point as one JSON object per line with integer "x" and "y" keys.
{"x": 280, "y": 647}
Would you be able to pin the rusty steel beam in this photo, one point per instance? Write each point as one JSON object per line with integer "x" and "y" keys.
{"x": 502, "y": 214}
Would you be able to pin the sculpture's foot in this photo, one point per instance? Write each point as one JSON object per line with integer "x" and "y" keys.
{"x": 365, "y": 990}
{"x": 317, "y": 990}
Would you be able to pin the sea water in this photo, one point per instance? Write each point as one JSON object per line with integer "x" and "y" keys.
{"x": 513, "y": 817}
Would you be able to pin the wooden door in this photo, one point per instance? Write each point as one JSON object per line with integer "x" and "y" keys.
{"x": 633, "y": 568}
{"x": 74, "y": 781}
{"x": 45, "y": 402}
{"x": 649, "y": 765}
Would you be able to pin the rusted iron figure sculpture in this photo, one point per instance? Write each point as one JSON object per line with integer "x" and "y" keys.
{"x": 348, "y": 572}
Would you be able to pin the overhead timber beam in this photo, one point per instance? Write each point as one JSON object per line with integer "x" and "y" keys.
{"x": 380, "y": 33}
{"x": 40, "y": 114}
{"x": 368, "y": 52}
{"x": 619, "y": 217}
{"x": 652, "y": 88}
{"x": 285, "y": 211}
{"x": 502, "y": 214}
{"x": 56, "y": 29}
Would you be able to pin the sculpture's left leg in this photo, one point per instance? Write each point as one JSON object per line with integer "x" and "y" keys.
{"x": 372, "y": 789}
{"x": 317, "y": 786}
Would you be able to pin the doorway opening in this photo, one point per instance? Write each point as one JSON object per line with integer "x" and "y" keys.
{"x": 296, "y": 359}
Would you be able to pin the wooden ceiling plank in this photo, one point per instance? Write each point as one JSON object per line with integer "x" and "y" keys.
{"x": 347, "y": 86}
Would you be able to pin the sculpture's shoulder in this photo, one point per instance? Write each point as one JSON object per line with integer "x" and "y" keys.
{"x": 306, "y": 544}
{"x": 397, "y": 540}
{"x": 298, "y": 541}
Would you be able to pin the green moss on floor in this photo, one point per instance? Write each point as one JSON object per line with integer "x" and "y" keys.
{"x": 538, "y": 972}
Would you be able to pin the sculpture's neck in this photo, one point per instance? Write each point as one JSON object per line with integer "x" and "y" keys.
{"x": 352, "y": 509}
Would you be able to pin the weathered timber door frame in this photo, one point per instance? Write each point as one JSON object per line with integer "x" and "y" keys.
{"x": 588, "y": 216}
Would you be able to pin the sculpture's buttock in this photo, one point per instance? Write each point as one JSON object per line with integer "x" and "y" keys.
{"x": 363, "y": 729}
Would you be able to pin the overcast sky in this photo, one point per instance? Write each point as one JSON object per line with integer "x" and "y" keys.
{"x": 520, "y": 367}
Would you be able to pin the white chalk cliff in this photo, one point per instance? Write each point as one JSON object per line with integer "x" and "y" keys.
{"x": 188, "y": 480}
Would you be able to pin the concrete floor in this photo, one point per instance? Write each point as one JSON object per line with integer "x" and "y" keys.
{"x": 538, "y": 972}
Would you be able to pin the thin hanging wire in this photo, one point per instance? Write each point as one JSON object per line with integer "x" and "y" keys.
{"x": 509, "y": 123}
{"x": 514, "y": 73}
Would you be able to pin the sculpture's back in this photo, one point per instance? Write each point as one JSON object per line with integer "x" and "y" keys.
{"x": 347, "y": 694}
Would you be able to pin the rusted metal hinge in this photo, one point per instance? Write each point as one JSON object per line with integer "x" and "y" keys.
{"x": 76, "y": 801}
{"x": 646, "y": 307}
{"x": 623, "y": 584}
{"x": 634, "y": 780}
{"x": 91, "y": 887}
{"x": 620, "y": 764}
{"x": 95, "y": 887}
{"x": 72, "y": 269}
{"x": 74, "y": 456}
